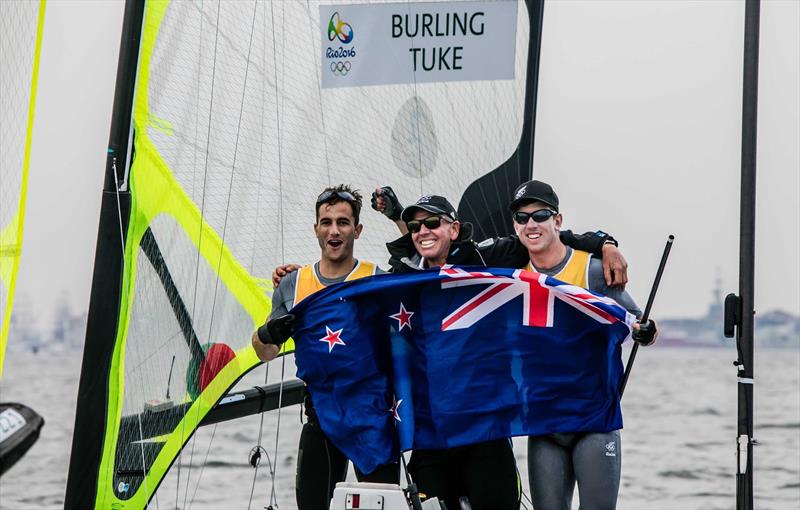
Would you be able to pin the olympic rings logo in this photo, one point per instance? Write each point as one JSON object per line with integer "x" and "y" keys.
{"x": 341, "y": 68}
{"x": 340, "y": 29}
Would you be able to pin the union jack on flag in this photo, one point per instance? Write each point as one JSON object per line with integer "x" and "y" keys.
{"x": 538, "y": 292}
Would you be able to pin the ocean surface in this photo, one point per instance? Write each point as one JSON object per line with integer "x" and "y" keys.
{"x": 679, "y": 441}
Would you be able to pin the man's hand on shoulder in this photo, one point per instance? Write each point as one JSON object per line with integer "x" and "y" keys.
{"x": 615, "y": 267}
{"x": 282, "y": 271}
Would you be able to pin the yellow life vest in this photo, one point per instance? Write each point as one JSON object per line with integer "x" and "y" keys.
{"x": 575, "y": 271}
{"x": 308, "y": 282}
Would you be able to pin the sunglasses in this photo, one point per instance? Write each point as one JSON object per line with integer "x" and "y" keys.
{"x": 539, "y": 216}
{"x": 431, "y": 222}
{"x": 327, "y": 196}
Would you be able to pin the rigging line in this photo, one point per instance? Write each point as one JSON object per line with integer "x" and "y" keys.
{"x": 119, "y": 207}
{"x": 416, "y": 108}
{"x": 233, "y": 169}
{"x": 278, "y": 126}
{"x": 202, "y": 17}
{"x": 227, "y": 209}
{"x": 262, "y": 138}
{"x": 144, "y": 462}
{"x": 258, "y": 443}
{"x": 202, "y": 467}
{"x": 273, "y": 499}
{"x": 319, "y": 92}
{"x": 202, "y": 210}
{"x": 278, "y": 111}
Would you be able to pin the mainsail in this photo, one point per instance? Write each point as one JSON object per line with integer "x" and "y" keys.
{"x": 21, "y": 24}
{"x": 241, "y": 113}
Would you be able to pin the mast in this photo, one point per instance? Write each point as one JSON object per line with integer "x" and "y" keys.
{"x": 104, "y": 305}
{"x": 486, "y": 210}
{"x": 740, "y": 310}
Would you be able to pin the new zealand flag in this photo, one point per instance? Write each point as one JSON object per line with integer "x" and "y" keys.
{"x": 449, "y": 357}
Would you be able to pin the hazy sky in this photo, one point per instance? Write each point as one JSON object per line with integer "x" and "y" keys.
{"x": 638, "y": 128}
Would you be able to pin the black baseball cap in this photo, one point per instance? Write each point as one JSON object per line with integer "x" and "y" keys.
{"x": 432, "y": 203}
{"x": 534, "y": 191}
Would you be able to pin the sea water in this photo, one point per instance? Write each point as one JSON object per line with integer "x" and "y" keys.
{"x": 678, "y": 446}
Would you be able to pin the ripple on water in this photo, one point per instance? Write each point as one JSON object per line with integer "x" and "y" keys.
{"x": 684, "y": 474}
{"x": 707, "y": 411}
{"x": 704, "y": 445}
{"x": 779, "y": 426}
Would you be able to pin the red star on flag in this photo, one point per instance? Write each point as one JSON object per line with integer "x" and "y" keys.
{"x": 333, "y": 338}
{"x": 394, "y": 408}
{"x": 403, "y": 318}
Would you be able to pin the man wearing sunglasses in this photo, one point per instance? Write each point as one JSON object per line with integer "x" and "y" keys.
{"x": 557, "y": 462}
{"x": 497, "y": 252}
{"x": 484, "y": 472}
{"x": 320, "y": 464}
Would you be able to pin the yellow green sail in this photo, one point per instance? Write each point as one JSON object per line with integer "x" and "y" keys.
{"x": 21, "y": 25}
{"x": 234, "y": 136}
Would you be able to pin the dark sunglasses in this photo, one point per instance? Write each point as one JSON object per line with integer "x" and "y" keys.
{"x": 539, "y": 216}
{"x": 327, "y": 196}
{"x": 432, "y": 222}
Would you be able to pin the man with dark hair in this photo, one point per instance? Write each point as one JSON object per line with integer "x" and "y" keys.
{"x": 556, "y": 462}
{"x": 320, "y": 465}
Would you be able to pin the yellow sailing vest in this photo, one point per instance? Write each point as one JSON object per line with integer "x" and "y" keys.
{"x": 575, "y": 271}
{"x": 308, "y": 283}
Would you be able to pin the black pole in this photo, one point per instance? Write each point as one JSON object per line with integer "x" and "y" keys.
{"x": 484, "y": 201}
{"x": 647, "y": 309}
{"x": 101, "y": 327}
{"x": 744, "y": 339}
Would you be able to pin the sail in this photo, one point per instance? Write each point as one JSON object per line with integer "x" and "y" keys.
{"x": 242, "y": 114}
{"x": 21, "y": 24}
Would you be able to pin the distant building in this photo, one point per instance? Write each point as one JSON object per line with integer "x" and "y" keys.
{"x": 774, "y": 329}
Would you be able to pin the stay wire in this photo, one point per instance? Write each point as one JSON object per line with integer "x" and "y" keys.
{"x": 197, "y": 261}
{"x": 258, "y": 446}
{"x": 278, "y": 110}
{"x": 202, "y": 212}
{"x": 202, "y": 467}
{"x": 273, "y": 499}
{"x": 227, "y": 210}
{"x": 319, "y": 93}
{"x": 417, "y": 100}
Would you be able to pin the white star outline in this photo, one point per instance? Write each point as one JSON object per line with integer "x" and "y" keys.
{"x": 332, "y": 338}
{"x": 403, "y": 317}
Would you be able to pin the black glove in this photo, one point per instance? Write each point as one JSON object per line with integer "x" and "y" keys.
{"x": 393, "y": 208}
{"x": 646, "y": 334}
{"x": 277, "y": 331}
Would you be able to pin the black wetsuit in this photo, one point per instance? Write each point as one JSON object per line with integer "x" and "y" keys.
{"x": 485, "y": 472}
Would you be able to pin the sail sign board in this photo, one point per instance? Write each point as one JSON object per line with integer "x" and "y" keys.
{"x": 389, "y": 44}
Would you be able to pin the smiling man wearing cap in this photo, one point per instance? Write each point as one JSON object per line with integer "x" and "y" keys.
{"x": 557, "y": 462}
{"x": 497, "y": 252}
{"x": 485, "y": 472}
